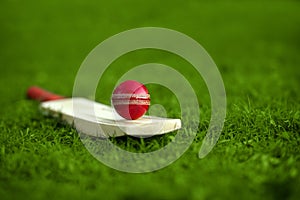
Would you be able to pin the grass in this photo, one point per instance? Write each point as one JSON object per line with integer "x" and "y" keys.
{"x": 255, "y": 45}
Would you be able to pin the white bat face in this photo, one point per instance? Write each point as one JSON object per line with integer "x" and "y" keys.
{"x": 99, "y": 120}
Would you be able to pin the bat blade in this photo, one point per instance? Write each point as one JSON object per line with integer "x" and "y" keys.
{"x": 99, "y": 120}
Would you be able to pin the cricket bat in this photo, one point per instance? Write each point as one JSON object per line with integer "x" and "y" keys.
{"x": 99, "y": 120}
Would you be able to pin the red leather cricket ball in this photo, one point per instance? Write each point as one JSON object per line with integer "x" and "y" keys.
{"x": 131, "y": 99}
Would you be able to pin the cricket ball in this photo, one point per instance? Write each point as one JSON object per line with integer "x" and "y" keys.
{"x": 131, "y": 99}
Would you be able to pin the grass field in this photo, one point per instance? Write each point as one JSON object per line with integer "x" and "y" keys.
{"x": 256, "y": 46}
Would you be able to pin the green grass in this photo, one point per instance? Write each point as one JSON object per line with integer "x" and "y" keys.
{"x": 256, "y": 46}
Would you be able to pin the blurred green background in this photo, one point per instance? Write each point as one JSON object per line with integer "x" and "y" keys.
{"x": 256, "y": 46}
